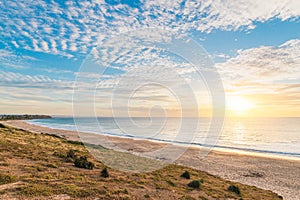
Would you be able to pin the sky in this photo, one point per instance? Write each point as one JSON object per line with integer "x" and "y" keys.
{"x": 101, "y": 57}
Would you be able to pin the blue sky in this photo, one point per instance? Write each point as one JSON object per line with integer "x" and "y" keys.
{"x": 254, "y": 44}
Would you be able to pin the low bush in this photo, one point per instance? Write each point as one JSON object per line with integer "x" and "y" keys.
{"x": 186, "y": 175}
{"x": 33, "y": 190}
{"x": 75, "y": 142}
{"x": 194, "y": 184}
{"x": 71, "y": 154}
{"x": 235, "y": 189}
{"x": 6, "y": 178}
{"x": 104, "y": 173}
{"x": 82, "y": 162}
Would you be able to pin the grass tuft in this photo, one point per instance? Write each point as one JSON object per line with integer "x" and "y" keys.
{"x": 34, "y": 190}
{"x": 6, "y": 178}
{"x": 171, "y": 183}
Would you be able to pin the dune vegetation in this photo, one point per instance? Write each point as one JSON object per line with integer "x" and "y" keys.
{"x": 43, "y": 166}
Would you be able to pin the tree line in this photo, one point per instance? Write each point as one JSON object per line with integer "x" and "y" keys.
{"x": 23, "y": 117}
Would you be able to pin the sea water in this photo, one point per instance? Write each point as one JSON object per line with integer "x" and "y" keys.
{"x": 269, "y": 136}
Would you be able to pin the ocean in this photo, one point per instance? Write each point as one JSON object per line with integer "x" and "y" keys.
{"x": 267, "y": 136}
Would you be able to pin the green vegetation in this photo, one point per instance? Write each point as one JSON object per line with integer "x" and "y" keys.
{"x": 186, "y": 175}
{"x": 23, "y": 117}
{"x": 82, "y": 162}
{"x": 235, "y": 189}
{"x": 71, "y": 154}
{"x": 6, "y": 178}
{"x": 170, "y": 183}
{"x": 104, "y": 173}
{"x": 35, "y": 167}
{"x": 194, "y": 184}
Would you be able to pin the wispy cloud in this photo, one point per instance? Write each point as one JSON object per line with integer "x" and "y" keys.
{"x": 72, "y": 29}
{"x": 9, "y": 59}
{"x": 13, "y": 79}
{"x": 265, "y": 64}
{"x": 268, "y": 75}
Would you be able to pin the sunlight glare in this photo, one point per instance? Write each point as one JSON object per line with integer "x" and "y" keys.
{"x": 236, "y": 103}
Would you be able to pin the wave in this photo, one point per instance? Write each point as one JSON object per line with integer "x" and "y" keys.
{"x": 50, "y": 123}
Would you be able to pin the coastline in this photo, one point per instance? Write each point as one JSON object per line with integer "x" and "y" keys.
{"x": 217, "y": 148}
{"x": 279, "y": 175}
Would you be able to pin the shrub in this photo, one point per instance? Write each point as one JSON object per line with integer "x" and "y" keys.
{"x": 6, "y": 178}
{"x": 75, "y": 142}
{"x": 82, "y": 162}
{"x": 33, "y": 190}
{"x": 235, "y": 189}
{"x": 170, "y": 183}
{"x": 104, "y": 173}
{"x": 71, "y": 154}
{"x": 59, "y": 154}
{"x": 194, "y": 184}
{"x": 186, "y": 175}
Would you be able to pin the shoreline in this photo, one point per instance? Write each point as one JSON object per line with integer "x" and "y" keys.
{"x": 215, "y": 148}
{"x": 279, "y": 175}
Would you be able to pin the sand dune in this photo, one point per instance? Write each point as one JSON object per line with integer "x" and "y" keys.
{"x": 277, "y": 174}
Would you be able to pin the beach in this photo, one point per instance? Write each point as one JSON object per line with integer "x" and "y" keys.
{"x": 279, "y": 175}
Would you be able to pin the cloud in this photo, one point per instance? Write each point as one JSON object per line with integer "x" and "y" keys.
{"x": 18, "y": 80}
{"x": 44, "y": 45}
{"x": 21, "y": 93}
{"x": 233, "y": 14}
{"x": 9, "y": 59}
{"x": 289, "y": 87}
{"x": 267, "y": 75}
{"x": 265, "y": 64}
{"x": 76, "y": 27}
{"x": 69, "y": 29}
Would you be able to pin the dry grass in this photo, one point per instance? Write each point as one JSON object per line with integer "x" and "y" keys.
{"x": 39, "y": 164}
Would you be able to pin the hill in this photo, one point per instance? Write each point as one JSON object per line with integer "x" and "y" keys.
{"x": 42, "y": 166}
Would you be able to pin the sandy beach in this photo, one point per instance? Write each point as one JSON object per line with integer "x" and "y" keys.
{"x": 279, "y": 175}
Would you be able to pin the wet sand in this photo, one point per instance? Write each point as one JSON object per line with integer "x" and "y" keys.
{"x": 277, "y": 174}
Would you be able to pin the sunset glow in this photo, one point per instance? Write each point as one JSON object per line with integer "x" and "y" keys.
{"x": 239, "y": 104}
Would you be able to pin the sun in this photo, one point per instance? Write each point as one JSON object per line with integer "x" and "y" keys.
{"x": 239, "y": 104}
